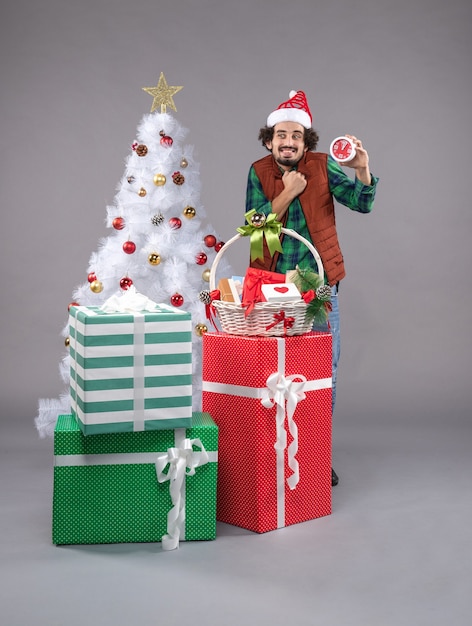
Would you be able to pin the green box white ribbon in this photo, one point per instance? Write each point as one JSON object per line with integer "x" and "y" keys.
{"x": 117, "y": 488}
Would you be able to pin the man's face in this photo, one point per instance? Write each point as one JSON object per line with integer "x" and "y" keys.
{"x": 287, "y": 145}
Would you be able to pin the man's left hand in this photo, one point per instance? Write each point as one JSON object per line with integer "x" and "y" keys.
{"x": 360, "y": 163}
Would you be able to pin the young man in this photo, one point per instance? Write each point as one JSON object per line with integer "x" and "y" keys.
{"x": 298, "y": 185}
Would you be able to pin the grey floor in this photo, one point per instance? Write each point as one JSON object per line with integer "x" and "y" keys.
{"x": 396, "y": 551}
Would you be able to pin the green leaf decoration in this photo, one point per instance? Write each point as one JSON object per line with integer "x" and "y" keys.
{"x": 317, "y": 310}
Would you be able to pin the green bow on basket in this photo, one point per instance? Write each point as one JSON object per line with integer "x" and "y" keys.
{"x": 260, "y": 226}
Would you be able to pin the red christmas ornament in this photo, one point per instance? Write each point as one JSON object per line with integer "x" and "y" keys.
{"x": 129, "y": 247}
{"x": 118, "y": 223}
{"x": 72, "y": 304}
{"x": 210, "y": 241}
{"x": 201, "y": 258}
{"x": 175, "y": 222}
{"x": 177, "y": 300}
{"x": 125, "y": 283}
{"x": 166, "y": 140}
{"x": 219, "y": 245}
{"x": 91, "y": 277}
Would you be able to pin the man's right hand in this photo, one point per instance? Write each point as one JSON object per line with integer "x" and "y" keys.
{"x": 294, "y": 183}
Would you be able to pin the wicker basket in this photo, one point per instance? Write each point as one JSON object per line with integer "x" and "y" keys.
{"x": 232, "y": 315}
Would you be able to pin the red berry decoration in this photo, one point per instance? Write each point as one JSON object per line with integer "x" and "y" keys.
{"x": 175, "y": 222}
{"x": 129, "y": 247}
{"x": 91, "y": 277}
{"x": 210, "y": 241}
{"x": 118, "y": 223}
{"x": 166, "y": 140}
{"x": 177, "y": 300}
{"x": 125, "y": 283}
{"x": 201, "y": 258}
{"x": 219, "y": 245}
{"x": 72, "y": 304}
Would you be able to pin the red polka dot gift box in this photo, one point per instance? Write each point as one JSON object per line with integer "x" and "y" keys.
{"x": 147, "y": 486}
{"x": 271, "y": 400}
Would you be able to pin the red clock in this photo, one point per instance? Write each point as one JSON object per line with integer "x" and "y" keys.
{"x": 342, "y": 149}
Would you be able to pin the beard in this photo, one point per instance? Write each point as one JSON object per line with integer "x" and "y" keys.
{"x": 288, "y": 161}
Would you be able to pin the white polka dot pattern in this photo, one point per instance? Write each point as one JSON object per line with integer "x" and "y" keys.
{"x": 124, "y": 502}
{"x": 247, "y": 489}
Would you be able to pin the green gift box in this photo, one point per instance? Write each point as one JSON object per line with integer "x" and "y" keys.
{"x": 135, "y": 487}
{"x": 130, "y": 371}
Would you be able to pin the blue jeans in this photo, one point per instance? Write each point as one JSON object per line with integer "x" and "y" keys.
{"x": 334, "y": 329}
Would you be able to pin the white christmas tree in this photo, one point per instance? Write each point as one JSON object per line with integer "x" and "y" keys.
{"x": 159, "y": 243}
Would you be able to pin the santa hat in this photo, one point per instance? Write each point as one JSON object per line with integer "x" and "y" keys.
{"x": 295, "y": 109}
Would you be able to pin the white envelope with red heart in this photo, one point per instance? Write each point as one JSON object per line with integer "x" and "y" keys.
{"x": 280, "y": 292}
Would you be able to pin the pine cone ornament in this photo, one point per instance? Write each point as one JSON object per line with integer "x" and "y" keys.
{"x": 178, "y": 178}
{"x": 323, "y": 293}
{"x": 141, "y": 150}
{"x": 157, "y": 219}
{"x": 205, "y": 297}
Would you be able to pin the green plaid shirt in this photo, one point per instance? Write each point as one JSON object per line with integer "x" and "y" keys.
{"x": 347, "y": 191}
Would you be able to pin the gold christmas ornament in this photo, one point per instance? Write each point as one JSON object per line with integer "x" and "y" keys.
{"x": 96, "y": 286}
{"x": 258, "y": 220}
{"x": 154, "y": 258}
{"x": 67, "y": 342}
{"x": 201, "y": 329}
{"x": 183, "y": 162}
{"x": 206, "y": 275}
{"x": 159, "y": 179}
{"x": 142, "y": 192}
{"x": 162, "y": 95}
{"x": 189, "y": 212}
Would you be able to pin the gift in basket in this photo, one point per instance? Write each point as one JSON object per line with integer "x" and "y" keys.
{"x": 251, "y": 316}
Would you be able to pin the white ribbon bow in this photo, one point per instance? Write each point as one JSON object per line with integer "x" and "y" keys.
{"x": 182, "y": 462}
{"x": 282, "y": 389}
{"x": 130, "y": 301}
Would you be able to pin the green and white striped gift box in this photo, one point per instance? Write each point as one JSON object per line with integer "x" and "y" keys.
{"x": 130, "y": 371}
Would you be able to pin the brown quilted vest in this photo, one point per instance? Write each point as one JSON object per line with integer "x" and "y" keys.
{"x": 317, "y": 206}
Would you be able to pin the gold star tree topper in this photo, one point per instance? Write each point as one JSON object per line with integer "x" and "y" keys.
{"x": 162, "y": 94}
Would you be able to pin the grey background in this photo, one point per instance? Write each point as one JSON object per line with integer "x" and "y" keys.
{"x": 396, "y": 74}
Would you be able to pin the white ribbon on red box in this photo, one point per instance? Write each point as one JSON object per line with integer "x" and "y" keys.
{"x": 284, "y": 392}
